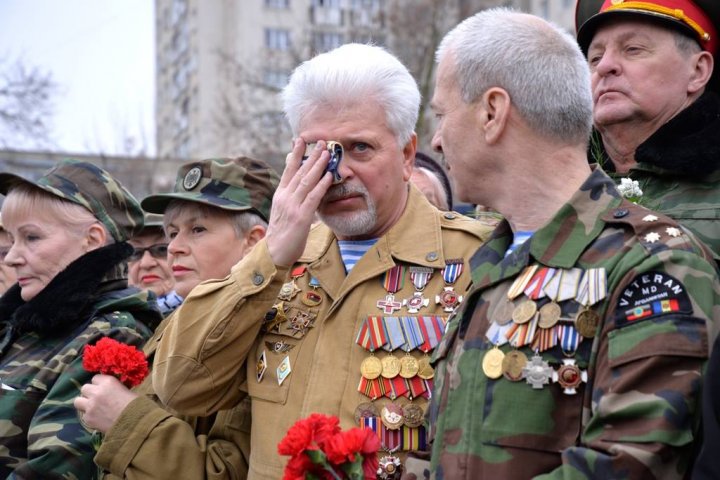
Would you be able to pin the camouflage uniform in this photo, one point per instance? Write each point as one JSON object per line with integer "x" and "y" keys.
{"x": 42, "y": 339}
{"x": 637, "y": 415}
{"x": 211, "y": 447}
{"x": 678, "y": 169}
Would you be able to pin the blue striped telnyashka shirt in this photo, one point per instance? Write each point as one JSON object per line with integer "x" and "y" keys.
{"x": 518, "y": 239}
{"x": 352, "y": 250}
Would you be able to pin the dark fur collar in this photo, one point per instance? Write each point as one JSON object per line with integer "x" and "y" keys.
{"x": 68, "y": 298}
{"x": 690, "y": 142}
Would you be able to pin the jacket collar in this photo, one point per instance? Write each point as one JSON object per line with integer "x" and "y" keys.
{"x": 580, "y": 219}
{"x": 419, "y": 222}
{"x": 414, "y": 239}
{"x": 70, "y": 294}
{"x": 687, "y": 145}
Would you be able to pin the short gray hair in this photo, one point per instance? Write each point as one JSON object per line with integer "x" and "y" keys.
{"x": 352, "y": 74}
{"x": 536, "y": 62}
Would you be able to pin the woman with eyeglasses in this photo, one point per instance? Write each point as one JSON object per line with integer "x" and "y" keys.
{"x": 148, "y": 267}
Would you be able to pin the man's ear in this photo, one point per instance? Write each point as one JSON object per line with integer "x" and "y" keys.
{"x": 409, "y": 156}
{"x": 702, "y": 71}
{"x": 494, "y": 114}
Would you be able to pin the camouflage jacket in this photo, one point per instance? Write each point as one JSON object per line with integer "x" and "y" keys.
{"x": 41, "y": 363}
{"x": 652, "y": 293}
{"x": 678, "y": 170}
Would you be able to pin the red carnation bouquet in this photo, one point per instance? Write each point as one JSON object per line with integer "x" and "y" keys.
{"x": 110, "y": 357}
{"x": 319, "y": 450}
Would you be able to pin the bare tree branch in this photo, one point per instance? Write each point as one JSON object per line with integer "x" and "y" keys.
{"x": 26, "y": 104}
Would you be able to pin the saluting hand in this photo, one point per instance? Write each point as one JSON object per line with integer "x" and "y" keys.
{"x": 302, "y": 187}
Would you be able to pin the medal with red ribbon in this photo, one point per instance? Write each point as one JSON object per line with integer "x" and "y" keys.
{"x": 392, "y": 281}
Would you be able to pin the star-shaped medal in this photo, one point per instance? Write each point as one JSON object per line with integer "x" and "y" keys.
{"x": 672, "y": 231}
{"x": 652, "y": 237}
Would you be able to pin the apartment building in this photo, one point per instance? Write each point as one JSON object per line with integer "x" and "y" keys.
{"x": 220, "y": 63}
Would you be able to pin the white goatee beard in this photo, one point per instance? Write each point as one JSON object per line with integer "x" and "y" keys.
{"x": 350, "y": 224}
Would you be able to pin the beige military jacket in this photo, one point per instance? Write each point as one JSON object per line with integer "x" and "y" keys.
{"x": 298, "y": 367}
{"x": 212, "y": 448}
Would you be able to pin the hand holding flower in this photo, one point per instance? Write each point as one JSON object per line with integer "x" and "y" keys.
{"x": 102, "y": 402}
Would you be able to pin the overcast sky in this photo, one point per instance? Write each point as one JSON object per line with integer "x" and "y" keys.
{"x": 102, "y": 55}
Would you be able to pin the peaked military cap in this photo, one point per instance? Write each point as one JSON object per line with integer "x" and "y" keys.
{"x": 92, "y": 187}
{"x": 235, "y": 184}
{"x": 700, "y": 19}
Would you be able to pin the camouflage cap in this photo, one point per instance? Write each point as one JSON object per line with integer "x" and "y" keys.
{"x": 235, "y": 184}
{"x": 92, "y": 187}
{"x": 153, "y": 224}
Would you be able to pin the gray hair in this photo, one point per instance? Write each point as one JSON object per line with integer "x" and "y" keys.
{"x": 536, "y": 62}
{"x": 241, "y": 221}
{"x": 352, "y": 74}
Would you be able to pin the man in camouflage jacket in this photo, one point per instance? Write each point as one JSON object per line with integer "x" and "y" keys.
{"x": 579, "y": 352}
{"x": 655, "y": 123}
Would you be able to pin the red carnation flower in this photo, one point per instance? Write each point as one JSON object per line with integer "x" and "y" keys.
{"x": 319, "y": 449}
{"x": 110, "y": 357}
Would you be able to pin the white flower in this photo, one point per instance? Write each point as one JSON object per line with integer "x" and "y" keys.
{"x": 629, "y": 188}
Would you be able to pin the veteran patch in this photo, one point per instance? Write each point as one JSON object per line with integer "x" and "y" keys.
{"x": 650, "y": 295}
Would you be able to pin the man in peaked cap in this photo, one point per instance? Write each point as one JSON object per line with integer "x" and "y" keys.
{"x": 216, "y": 213}
{"x": 656, "y": 105}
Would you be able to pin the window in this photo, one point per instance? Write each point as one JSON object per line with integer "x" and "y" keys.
{"x": 277, "y": 3}
{"x": 275, "y": 78}
{"x": 277, "y": 39}
{"x": 325, "y": 41}
{"x": 326, "y": 3}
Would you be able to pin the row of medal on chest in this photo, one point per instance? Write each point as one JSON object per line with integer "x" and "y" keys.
{"x": 393, "y": 281}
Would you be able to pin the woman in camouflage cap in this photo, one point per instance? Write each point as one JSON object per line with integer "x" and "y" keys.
{"x": 216, "y": 213}
{"x": 7, "y": 273}
{"x": 69, "y": 252}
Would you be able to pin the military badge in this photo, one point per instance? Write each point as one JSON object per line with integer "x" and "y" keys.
{"x": 650, "y": 295}
{"x": 537, "y": 372}
{"x": 569, "y": 376}
{"x": 192, "y": 178}
{"x": 261, "y": 366}
{"x": 283, "y": 370}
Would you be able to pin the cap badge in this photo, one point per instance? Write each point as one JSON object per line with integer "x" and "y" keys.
{"x": 192, "y": 178}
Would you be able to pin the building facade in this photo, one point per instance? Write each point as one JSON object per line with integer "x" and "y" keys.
{"x": 221, "y": 63}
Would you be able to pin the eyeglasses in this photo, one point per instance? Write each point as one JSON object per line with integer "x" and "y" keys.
{"x": 159, "y": 251}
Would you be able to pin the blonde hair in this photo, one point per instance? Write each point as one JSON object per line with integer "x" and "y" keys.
{"x": 24, "y": 201}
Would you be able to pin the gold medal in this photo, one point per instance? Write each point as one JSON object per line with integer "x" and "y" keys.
{"x": 371, "y": 367}
{"x": 503, "y": 313}
{"x": 586, "y": 322}
{"x": 549, "y": 315}
{"x": 512, "y": 365}
{"x": 408, "y": 366}
{"x": 524, "y": 312}
{"x": 390, "y": 366}
{"x": 492, "y": 363}
{"x": 425, "y": 370}
{"x": 413, "y": 415}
